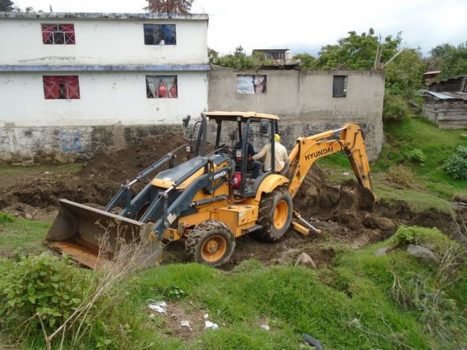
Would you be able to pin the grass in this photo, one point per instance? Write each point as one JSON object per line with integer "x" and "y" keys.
{"x": 347, "y": 306}
{"x": 418, "y": 201}
{"x": 436, "y": 144}
{"x": 428, "y": 186}
{"x": 20, "y": 236}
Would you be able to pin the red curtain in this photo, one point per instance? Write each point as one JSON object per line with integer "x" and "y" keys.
{"x": 61, "y": 87}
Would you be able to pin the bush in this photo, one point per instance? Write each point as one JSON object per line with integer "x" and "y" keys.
{"x": 38, "y": 286}
{"x": 456, "y": 164}
{"x": 4, "y": 218}
{"x": 395, "y": 108}
{"x": 416, "y": 156}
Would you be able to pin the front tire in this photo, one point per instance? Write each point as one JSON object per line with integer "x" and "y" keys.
{"x": 275, "y": 215}
{"x": 210, "y": 243}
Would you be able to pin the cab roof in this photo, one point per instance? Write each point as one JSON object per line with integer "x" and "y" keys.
{"x": 235, "y": 115}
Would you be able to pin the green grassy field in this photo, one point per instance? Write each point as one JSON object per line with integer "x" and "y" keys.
{"x": 360, "y": 301}
{"x": 350, "y": 305}
{"x": 423, "y": 184}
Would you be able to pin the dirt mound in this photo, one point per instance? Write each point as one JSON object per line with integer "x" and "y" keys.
{"x": 127, "y": 163}
{"x": 96, "y": 182}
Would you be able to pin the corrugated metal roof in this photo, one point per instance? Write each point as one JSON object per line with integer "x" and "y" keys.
{"x": 447, "y": 95}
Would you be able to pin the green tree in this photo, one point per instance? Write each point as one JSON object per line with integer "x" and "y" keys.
{"x": 449, "y": 59}
{"x": 358, "y": 51}
{"x": 307, "y": 61}
{"x": 213, "y": 55}
{"x": 6, "y": 5}
{"x": 169, "y": 6}
{"x": 404, "y": 74}
{"x": 240, "y": 60}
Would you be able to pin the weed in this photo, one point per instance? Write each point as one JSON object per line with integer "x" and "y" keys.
{"x": 456, "y": 164}
{"x": 4, "y": 218}
{"x": 401, "y": 177}
{"x": 404, "y": 235}
{"x": 416, "y": 156}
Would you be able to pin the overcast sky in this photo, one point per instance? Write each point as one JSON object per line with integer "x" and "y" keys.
{"x": 303, "y": 25}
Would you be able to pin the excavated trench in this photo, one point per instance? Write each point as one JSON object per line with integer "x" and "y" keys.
{"x": 346, "y": 214}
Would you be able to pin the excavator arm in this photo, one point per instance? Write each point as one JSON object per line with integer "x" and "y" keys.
{"x": 348, "y": 139}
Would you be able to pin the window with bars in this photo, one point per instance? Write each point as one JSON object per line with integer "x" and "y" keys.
{"x": 61, "y": 87}
{"x": 58, "y": 34}
{"x": 161, "y": 86}
{"x": 160, "y": 34}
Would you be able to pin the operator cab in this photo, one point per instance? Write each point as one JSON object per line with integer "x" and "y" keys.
{"x": 233, "y": 134}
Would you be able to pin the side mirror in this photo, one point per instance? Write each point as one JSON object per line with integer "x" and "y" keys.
{"x": 186, "y": 121}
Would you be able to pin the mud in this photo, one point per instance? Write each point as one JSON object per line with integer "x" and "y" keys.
{"x": 346, "y": 214}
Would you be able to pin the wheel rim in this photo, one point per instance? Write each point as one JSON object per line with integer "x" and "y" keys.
{"x": 214, "y": 248}
{"x": 280, "y": 214}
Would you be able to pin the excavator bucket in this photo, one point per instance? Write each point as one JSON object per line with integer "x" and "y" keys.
{"x": 92, "y": 236}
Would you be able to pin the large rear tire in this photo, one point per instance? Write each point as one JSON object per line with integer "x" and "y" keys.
{"x": 275, "y": 215}
{"x": 210, "y": 243}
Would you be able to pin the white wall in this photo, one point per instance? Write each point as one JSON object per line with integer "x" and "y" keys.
{"x": 101, "y": 42}
{"x": 106, "y": 99}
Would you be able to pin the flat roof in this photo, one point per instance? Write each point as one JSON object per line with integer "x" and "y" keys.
{"x": 103, "y": 16}
{"x": 271, "y": 50}
{"x": 241, "y": 114}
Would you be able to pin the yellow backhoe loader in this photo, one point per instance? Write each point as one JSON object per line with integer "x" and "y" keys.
{"x": 210, "y": 199}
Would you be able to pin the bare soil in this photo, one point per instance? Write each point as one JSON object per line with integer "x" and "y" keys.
{"x": 346, "y": 214}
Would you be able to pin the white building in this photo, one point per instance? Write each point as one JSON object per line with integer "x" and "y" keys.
{"x": 63, "y": 73}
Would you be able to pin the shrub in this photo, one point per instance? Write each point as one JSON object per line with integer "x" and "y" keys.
{"x": 41, "y": 286}
{"x": 416, "y": 156}
{"x": 395, "y": 108}
{"x": 404, "y": 235}
{"x": 456, "y": 164}
{"x": 4, "y": 218}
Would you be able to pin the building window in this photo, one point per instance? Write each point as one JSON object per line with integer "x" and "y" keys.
{"x": 58, "y": 34}
{"x": 161, "y": 86}
{"x": 251, "y": 84}
{"x": 339, "y": 86}
{"x": 61, "y": 87}
{"x": 160, "y": 34}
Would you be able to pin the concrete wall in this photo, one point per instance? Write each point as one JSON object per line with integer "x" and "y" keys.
{"x": 101, "y": 41}
{"x": 305, "y": 103}
{"x": 105, "y": 99}
{"x": 111, "y": 60}
{"x": 64, "y": 144}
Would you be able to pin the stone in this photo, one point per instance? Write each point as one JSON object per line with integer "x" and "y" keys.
{"x": 28, "y": 216}
{"x": 422, "y": 253}
{"x": 305, "y": 260}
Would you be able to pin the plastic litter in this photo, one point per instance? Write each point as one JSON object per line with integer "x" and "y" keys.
{"x": 158, "y": 306}
{"x": 208, "y": 324}
{"x": 186, "y": 324}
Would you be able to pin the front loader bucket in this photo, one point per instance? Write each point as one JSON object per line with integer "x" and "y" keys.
{"x": 92, "y": 236}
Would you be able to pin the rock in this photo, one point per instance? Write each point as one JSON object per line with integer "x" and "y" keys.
{"x": 422, "y": 253}
{"x": 381, "y": 223}
{"x": 265, "y": 326}
{"x": 305, "y": 260}
{"x": 382, "y": 251}
{"x": 28, "y": 216}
